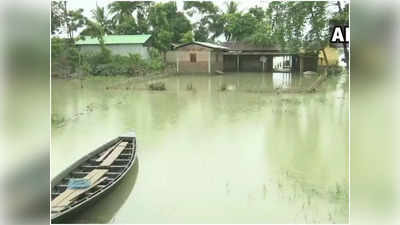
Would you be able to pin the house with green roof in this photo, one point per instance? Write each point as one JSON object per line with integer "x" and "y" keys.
{"x": 118, "y": 44}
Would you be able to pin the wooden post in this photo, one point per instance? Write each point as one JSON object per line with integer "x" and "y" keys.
{"x": 209, "y": 62}
{"x": 237, "y": 64}
{"x": 177, "y": 61}
{"x": 209, "y": 84}
{"x": 301, "y": 64}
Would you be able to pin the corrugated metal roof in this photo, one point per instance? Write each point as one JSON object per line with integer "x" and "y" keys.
{"x": 246, "y": 46}
{"x": 205, "y": 44}
{"x": 116, "y": 39}
{"x": 211, "y": 45}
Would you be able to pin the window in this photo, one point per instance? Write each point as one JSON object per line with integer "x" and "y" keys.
{"x": 193, "y": 57}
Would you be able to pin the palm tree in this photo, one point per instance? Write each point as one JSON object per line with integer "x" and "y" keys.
{"x": 123, "y": 10}
{"x": 123, "y": 14}
{"x": 231, "y": 7}
{"x": 101, "y": 18}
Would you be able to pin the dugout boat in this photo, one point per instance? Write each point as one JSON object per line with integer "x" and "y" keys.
{"x": 92, "y": 176}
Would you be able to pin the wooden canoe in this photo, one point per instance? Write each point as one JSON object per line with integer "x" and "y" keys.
{"x": 103, "y": 168}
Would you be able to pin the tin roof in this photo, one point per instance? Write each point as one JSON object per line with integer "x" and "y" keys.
{"x": 246, "y": 46}
{"x": 116, "y": 39}
{"x": 204, "y": 44}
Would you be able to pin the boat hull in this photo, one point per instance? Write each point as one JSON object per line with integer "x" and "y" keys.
{"x": 59, "y": 217}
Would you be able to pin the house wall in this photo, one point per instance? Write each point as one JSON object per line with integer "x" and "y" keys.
{"x": 123, "y": 49}
{"x": 183, "y": 59}
{"x": 217, "y": 61}
{"x": 171, "y": 57}
{"x": 332, "y": 54}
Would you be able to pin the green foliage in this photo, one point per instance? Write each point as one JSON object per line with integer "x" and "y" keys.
{"x": 239, "y": 26}
{"x": 201, "y": 7}
{"x": 294, "y": 26}
{"x": 187, "y": 37}
{"x": 57, "y": 16}
{"x": 334, "y": 69}
{"x": 257, "y": 12}
{"x": 124, "y": 20}
{"x": 101, "y": 18}
{"x": 232, "y": 7}
{"x": 262, "y": 35}
{"x": 211, "y": 22}
{"x": 133, "y": 65}
{"x": 58, "y": 46}
{"x": 64, "y": 56}
{"x": 201, "y": 33}
{"x": 168, "y": 24}
{"x": 341, "y": 17}
{"x": 74, "y": 20}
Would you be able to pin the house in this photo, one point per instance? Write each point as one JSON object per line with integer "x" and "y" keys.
{"x": 197, "y": 57}
{"x": 118, "y": 44}
{"x": 247, "y": 57}
{"x": 332, "y": 54}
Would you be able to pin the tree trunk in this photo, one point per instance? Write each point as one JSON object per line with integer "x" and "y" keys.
{"x": 69, "y": 32}
{"x": 326, "y": 62}
{"x": 165, "y": 56}
{"x": 346, "y": 56}
{"x": 325, "y": 57}
{"x": 346, "y": 51}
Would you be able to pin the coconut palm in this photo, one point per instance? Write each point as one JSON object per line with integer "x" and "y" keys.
{"x": 123, "y": 14}
{"x": 122, "y": 10}
{"x": 101, "y": 18}
{"x": 231, "y": 7}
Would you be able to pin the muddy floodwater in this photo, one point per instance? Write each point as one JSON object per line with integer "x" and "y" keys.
{"x": 211, "y": 156}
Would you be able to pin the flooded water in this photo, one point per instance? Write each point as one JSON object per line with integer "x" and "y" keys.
{"x": 211, "y": 156}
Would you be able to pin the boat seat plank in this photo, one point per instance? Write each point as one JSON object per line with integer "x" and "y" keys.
{"x": 66, "y": 203}
{"x": 106, "y": 153}
{"x": 88, "y": 189}
{"x": 100, "y": 167}
{"x": 69, "y": 194}
{"x": 114, "y": 154}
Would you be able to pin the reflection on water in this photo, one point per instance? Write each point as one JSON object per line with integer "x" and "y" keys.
{"x": 282, "y": 80}
{"x": 209, "y": 156}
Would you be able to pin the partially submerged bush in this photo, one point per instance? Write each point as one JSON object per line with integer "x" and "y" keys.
{"x": 66, "y": 59}
{"x": 227, "y": 87}
{"x": 334, "y": 69}
{"x": 223, "y": 87}
{"x": 157, "y": 86}
{"x": 189, "y": 87}
{"x": 132, "y": 65}
{"x": 330, "y": 70}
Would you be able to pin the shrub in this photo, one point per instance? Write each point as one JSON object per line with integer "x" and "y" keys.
{"x": 334, "y": 69}
{"x": 157, "y": 86}
{"x": 64, "y": 56}
{"x": 66, "y": 59}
